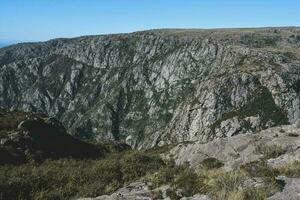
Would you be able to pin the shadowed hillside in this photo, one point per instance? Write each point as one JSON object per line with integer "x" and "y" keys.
{"x": 35, "y": 137}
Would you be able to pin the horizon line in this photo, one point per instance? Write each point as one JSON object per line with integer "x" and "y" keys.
{"x": 15, "y": 42}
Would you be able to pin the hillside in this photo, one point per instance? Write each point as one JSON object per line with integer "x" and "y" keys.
{"x": 209, "y": 114}
{"x": 39, "y": 160}
{"x": 32, "y": 137}
{"x": 160, "y": 86}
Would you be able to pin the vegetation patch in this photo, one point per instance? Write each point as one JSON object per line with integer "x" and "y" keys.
{"x": 9, "y": 121}
{"x": 217, "y": 183}
{"x": 69, "y": 178}
{"x": 290, "y": 169}
{"x": 269, "y": 151}
{"x": 263, "y": 105}
{"x": 259, "y": 40}
{"x": 298, "y": 38}
{"x": 117, "y": 165}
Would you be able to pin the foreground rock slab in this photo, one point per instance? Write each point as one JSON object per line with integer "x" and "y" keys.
{"x": 241, "y": 149}
{"x": 140, "y": 191}
{"x": 197, "y": 197}
{"x": 291, "y": 189}
{"x": 136, "y": 190}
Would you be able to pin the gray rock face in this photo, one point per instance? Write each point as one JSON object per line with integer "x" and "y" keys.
{"x": 140, "y": 191}
{"x": 285, "y": 158}
{"x": 241, "y": 149}
{"x": 291, "y": 189}
{"x": 197, "y": 197}
{"x": 158, "y": 87}
{"x": 136, "y": 190}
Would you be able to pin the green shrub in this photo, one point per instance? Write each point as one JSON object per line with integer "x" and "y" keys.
{"x": 68, "y": 178}
{"x": 135, "y": 165}
{"x": 189, "y": 181}
{"x": 172, "y": 194}
{"x": 178, "y": 177}
{"x": 165, "y": 175}
{"x": 256, "y": 193}
{"x": 220, "y": 181}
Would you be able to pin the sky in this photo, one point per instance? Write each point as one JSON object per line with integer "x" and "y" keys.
{"x": 39, "y": 20}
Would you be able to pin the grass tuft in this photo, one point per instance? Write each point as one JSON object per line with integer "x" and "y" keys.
{"x": 271, "y": 151}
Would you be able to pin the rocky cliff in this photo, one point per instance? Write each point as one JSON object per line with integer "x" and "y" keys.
{"x": 159, "y": 86}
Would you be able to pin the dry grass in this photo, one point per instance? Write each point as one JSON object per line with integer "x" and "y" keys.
{"x": 290, "y": 170}
{"x": 271, "y": 151}
{"x": 217, "y": 183}
{"x": 221, "y": 183}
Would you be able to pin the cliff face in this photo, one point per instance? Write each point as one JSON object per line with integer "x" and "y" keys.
{"x": 159, "y": 86}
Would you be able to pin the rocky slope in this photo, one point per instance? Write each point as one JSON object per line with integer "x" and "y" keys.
{"x": 261, "y": 161}
{"x": 162, "y": 86}
{"x": 139, "y": 190}
{"x": 280, "y": 145}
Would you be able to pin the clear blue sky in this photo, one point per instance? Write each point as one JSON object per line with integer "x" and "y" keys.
{"x": 35, "y": 20}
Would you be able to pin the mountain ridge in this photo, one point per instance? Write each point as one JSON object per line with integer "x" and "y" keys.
{"x": 162, "y": 29}
{"x": 155, "y": 87}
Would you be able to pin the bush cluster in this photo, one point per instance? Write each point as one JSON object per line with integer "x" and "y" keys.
{"x": 69, "y": 178}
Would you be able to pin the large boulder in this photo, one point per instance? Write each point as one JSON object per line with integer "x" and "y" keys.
{"x": 291, "y": 190}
